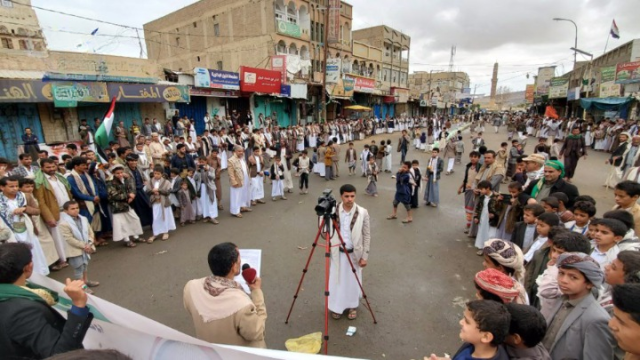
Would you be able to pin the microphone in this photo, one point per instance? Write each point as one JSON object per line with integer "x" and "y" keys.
{"x": 248, "y": 273}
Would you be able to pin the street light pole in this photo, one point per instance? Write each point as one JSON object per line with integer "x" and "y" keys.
{"x": 575, "y": 53}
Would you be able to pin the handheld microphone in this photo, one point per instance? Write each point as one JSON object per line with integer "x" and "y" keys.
{"x": 248, "y": 273}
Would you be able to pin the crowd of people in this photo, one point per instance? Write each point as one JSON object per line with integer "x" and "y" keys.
{"x": 558, "y": 281}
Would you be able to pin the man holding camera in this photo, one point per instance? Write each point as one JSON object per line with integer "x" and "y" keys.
{"x": 354, "y": 222}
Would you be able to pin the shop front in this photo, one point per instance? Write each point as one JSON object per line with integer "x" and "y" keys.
{"x": 212, "y": 92}
{"x": 340, "y": 95}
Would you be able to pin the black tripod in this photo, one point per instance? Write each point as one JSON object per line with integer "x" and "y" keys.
{"x": 325, "y": 225}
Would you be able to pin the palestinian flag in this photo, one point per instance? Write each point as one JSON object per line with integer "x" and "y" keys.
{"x": 615, "y": 33}
{"x": 102, "y": 134}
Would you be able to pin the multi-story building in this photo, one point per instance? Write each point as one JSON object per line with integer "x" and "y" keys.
{"x": 437, "y": 88}
{"x": 50, "y": 91}
{"x": 225, "y": 35}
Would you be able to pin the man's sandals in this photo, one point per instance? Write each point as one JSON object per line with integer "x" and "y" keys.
{"x": 352, "y": 315}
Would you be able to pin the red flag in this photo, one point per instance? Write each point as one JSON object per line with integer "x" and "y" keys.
{"x": 551, "y": 112}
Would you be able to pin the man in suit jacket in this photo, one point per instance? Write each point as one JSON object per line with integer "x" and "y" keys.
{"x": 31, "y": 328}
{"x": 578, "y": 323}
{"x": 491, "y": 171}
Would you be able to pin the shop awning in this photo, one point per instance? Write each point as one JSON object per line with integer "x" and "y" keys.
{"x": 358, "y": 108}
{"x": 21, "y": 75}
{"x": 613, "y": 103}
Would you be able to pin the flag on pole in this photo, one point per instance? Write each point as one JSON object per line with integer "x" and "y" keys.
{"x": 101, "y": 138}
{"x": 615, "y": 33}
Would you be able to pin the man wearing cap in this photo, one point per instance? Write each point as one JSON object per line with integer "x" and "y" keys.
{"x": 534, "y": 167}
{"x": 552, "y": 182}
{"x": 157, "y": 149}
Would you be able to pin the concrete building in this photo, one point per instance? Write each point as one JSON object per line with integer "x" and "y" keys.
{"x": 225, "y": 35}
{"x": 50, "y": 91}
{"x": 438, "y": 89}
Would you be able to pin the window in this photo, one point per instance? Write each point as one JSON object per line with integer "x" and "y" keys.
{"x": 177, "y": 30}
{"x": 38, "y": 46}
{"x": 195, "y": 24}
{"x": 22, "y": 44}
{"x": 7, "y": 3}
{"x": 7, "y": 43}
{"x": 216, "y": 30}
{"x": 219, "y": 64}
{"x": 177, "y": 41}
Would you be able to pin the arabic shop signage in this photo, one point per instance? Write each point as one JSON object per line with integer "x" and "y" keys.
{"x": 68, "y": 94}
{"x": 289, "y": 29}
{"x": 216, "y": 79}
{"x": 260, "y": 80}
{"x": 214, "y": 93}
{"x": 149, "y": 93}
{"x": 25, "y": 91}
{"x": 628, "y": 73}
{"x": 52, "y": 76}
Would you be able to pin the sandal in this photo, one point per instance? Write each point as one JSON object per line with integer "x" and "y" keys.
{"x": 130, "y": 244}
{"x": 165, "y": 237}
{"x": 336, "y": 316}
{"x": 101, "y": 244}
{"x": 407, "y": 221}
{"x": 353, "y": 314}
{"x": 150, "y": 240}
{"x": 237, "y": 215}
{"x": 392, "y": 217}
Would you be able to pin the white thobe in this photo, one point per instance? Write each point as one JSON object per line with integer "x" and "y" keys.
{"x": 241, "y": 197}
{"x": 344, "y": 292}
{"x": 62, "y": 196}
{"x": 257, "y": 183}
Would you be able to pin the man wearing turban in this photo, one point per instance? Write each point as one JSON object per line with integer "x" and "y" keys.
{"x": 552, "y": 182}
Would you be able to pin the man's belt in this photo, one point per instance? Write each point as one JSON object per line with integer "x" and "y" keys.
{"x": 349, "y": 251}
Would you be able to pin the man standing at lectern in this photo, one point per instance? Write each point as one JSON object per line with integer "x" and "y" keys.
{"x": 354, "y": 222}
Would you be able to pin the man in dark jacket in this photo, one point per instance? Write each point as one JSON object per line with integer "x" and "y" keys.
{"x": 552, "y": 182}
{"x": 31, "y": 328}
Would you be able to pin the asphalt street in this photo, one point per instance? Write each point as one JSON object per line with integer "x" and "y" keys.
{"x": 418, "y": 278}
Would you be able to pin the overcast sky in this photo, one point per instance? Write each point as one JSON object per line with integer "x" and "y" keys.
{"x": 520, "y": 35}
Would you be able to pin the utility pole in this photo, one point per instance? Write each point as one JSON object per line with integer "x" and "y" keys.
{"x": 139, "y": 43}
{"x": 325, "y": 44}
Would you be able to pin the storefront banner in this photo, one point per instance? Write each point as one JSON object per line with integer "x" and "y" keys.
{"x": 558, "y": 87}
{"x": 285, "y": 91}
{"x": 69, "y": 94}
{"x": 224, "y": 80}
{"x": 334, "y": 66}
{"x": 279, "y": 64}
{"x": 114, "y": 327}
{"x": 348, "y": 85}
{"x": 610, "y": 89}
{"x": 333, "y": 32}
{"x": 260, "y": 80}
{"x": 149, "y": 93}
{"x": 208, "y": 92}
{"x": 607, "y": 73}
{"x": 25, "y": 91}
{"x": 288, "y": 28}
{"x": 529, "y": 93}
{"x": 573, "y": 94}
{"x": 402, "y": 95}
{"x": 543, "y": 80}
{"x": 201, "y": 78}
{"x": 343, "y": 88}
{"x": 628, "y": 73}
{"x": 362, "y": 84}
{"x": 52, "y": 76}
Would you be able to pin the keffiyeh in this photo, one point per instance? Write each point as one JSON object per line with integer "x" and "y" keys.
{"x": 506, "y": 254}
{"x": 583, "y": 263}
{"x": 497, "y": 283}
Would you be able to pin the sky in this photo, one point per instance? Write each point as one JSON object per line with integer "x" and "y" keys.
{"x": 520, "y": 35}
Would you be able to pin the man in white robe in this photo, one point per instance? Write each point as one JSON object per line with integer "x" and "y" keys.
{"x": 240, "y": 194}
{"x": 344, "y": 291}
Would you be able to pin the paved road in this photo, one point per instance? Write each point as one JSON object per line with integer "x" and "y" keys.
{"x": 418, "y": 278}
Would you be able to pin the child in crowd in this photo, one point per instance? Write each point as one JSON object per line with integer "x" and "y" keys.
{"x": 623, "y": 269}
{"x": 526, "y": 331}
{"x": 77, "y": 233}
{"x": 507, "y": 258}
{"x": 468, "y": 187}
{"x": 625, "y": 325}
{"x": 125, "y": 221}
{"x": 609, "y": 232}
{"x": 538, "y": 256}
{"x": 484, "y": 327}
{"x": 589, "y": 335}
{"x": 195, "y": 192}
{"x": 520, "y": 174}
{"x": 525, "y": 231}
{"x": 548, "y": 292}
{"x": 158, "y": 190}
{"x": 583, "y": 211}
{"x": 187, "y": 213}
{"x": 550, "y": 205}
{"x": 512, "y": 213}
{"x": 277, "y": 178}
{"x": 486, "y": 215}
{"x": 492, "y": 284}
{"x": 586, "y": 198}
{"x": 591, "y": 233}
{"x": 459, "y": 149}
{"x": 416, "y": 176}
{"x": 303, "y": 168}
{"x": 630, "y": 240}
{"x": 543, "y": 225}
{"x": 175, "y": 182}
{"x": 372, "y": 177}
{"x": 432, "y": 178}
{"x": 208, "y": 203}
{"x": 565, "y": 214}
{"x": 626, "y": 195}
{"x": 554, "y": 152}
{"x": 351, "y": 158}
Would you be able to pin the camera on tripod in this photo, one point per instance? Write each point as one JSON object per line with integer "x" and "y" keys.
{"x": 326, "y": 203}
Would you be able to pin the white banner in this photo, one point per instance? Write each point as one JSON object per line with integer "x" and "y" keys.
{"x": 114, "y": 327}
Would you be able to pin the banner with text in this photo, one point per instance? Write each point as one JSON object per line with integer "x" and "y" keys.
{"x": 279, "y": 64}
{"x": 334, "y": 67}
{"x": 529, "y": 93}
{"x": 69, "y": 94}
{"x": 260, "y": 80}
{"x": 363, "y": 84}
{"x": 149, "y": 93}
{"x": 628, "y": 73}
{"x": 544, "y": 79}
{"x": 25, "y": 91}
{"x": 558, "y": 87}
{"x": 333, "y": 32}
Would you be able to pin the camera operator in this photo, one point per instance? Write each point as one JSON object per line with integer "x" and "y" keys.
{"x": 222, "y": 312}
{"x": 354, "y": 223}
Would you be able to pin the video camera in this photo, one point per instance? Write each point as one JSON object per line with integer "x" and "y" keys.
{"x": 326, "y": 204}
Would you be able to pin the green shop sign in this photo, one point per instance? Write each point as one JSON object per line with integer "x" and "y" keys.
{"x": 289, "y": 29}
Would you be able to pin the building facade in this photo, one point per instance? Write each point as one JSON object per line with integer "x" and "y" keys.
{"x": 437, "y": 90}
